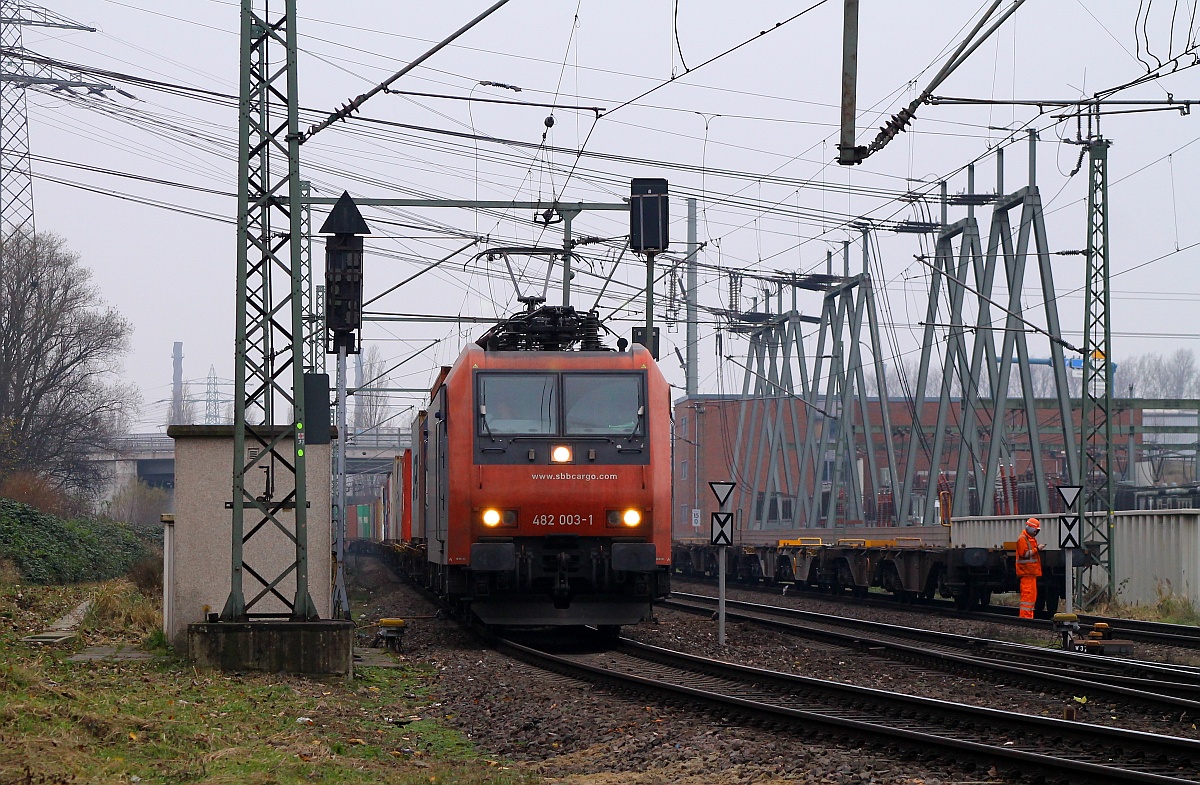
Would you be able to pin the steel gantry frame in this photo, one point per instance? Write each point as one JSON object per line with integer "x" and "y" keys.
{"x": 270, "y": 318}
{"x": 816, "y": 396}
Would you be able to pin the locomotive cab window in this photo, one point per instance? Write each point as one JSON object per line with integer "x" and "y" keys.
{"x": 597, "y": 404}
{"x": 517, "y": 404}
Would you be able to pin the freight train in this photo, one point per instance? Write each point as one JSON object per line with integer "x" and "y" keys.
{"x": 906, "y": 567}
{"x": 540, "y": 484}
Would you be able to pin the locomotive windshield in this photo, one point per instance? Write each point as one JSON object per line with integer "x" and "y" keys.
{"x": 602, "y": 404}
{"x": 523, "y": 404}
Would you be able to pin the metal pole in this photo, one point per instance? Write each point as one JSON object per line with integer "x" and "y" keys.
{"x": 649, "y": 300}
{"x": 999, "y": 171}
{"x": 567, "y": 215}
{"x": 970, "y": 190}
{"x": 721, "y": 594}
{"x": 699, "y": 410}
{"x": 866, "y": 235}
{"x": 1033, "y": 156}
{"x": 341, "y": 603}
{"x": 846, "y": 152}
{"x": 1070, "y": 589}
{"x": 721, "y": 585}
{"x": 693, "y": 250}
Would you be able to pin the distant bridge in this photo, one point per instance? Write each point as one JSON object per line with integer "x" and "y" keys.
{"x": 150, "y": 457}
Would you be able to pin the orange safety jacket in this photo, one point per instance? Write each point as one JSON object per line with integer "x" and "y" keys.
{"x": 1029, "y": 557}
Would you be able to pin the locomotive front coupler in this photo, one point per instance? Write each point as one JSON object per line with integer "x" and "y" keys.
{"x": 562, "y": 584}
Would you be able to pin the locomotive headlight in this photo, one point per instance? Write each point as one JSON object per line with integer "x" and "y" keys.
{"x": 492, "y": 517}
{"x": 561, "y": 454}
{"x": 627, "y": 518}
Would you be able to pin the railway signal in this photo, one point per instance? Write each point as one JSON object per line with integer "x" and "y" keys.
{"x": 648, "y": 234}
{"x": 1069, "y": 538}
{"x": 722, "y": 490}
{"x": 1069, "y": 493}
{"x": 1068, "y": 532}
{"x": 722, "y": 528}
{"x": 343, "y": 320}
{"x": 648, "y": 214}
{"x": 344, "y": 274}
{"x": 722, "y": 536}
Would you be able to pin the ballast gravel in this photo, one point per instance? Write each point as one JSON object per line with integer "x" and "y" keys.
{"x": 568, "y": 731}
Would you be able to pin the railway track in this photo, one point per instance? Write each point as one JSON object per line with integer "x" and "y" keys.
{"x": 1148, "y": 684}
{"x": 1057, "y": 750}
{"x": 1184, "y": 636}
{"x": 1180, "y": 635}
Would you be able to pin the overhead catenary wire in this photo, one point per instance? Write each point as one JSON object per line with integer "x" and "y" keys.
{"x": 354, "y": 104}
{"x": 899, "y": 122}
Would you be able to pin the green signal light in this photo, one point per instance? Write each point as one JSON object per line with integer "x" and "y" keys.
{"x": 300, "y": 452}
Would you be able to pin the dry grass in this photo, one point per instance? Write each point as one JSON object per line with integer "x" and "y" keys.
{"x": 9, "y": 574}
{"x": 120, "y": 611}
{"x": 162, "y": 721}
{"x": 1168, "y": 607}
{"x": 147, "y": 575}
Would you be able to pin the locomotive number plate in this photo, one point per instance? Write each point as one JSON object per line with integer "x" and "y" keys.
{"x": 562, "y": 520}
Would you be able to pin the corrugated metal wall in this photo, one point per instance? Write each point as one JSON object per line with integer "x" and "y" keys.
{"x": 1155, "y": 553}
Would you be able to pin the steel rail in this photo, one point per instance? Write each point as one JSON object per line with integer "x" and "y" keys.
{"x": 1042, "y": 746}
{"x": 1119, "y": 665}
{"x": 1184, "y": 636}
{"x": 1145, "y": 683}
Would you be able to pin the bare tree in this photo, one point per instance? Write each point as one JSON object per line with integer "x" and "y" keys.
{"x": 60, "y": 351}
{"x": 901, "y": 380}
{"x": 1155, "y": 376}
{"x": 138, "y": 504}
{"x": 189, "y": 409}
{"x": 371, "y": 408}
{"x": 1135, "y": 376}
{"x": 1178, "y": 374}
{"x": 1041, "y": 378}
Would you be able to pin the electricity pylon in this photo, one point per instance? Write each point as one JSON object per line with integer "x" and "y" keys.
{"x": 19, "y": 70}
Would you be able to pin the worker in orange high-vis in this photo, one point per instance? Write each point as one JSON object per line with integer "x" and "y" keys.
{"x": 1029, "y": 566}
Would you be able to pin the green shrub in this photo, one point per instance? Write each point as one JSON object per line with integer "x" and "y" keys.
{"x": 48, "y": 549}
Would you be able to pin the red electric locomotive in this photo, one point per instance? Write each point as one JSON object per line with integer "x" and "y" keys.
{"x": 541, "y": 476}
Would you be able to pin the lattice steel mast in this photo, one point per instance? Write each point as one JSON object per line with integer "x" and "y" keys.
{"x": 17, "y": 73}
{"x": 268, "y": 367}
{"x": 1096, "y": 458}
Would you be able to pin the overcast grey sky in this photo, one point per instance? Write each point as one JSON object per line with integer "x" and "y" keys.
{"x": 752, "y": 136}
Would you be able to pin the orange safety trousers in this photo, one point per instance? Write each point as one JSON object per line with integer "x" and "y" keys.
{"x": 1028, "y": 595}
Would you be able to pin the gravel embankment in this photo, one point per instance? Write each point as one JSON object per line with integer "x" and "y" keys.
{"x": 570, "y": 732}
